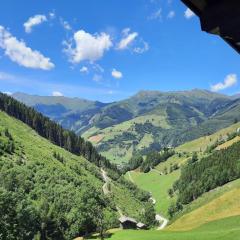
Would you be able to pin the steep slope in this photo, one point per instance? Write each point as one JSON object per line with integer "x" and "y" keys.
{"x": 72, "y": 113}
{"x": 222, "y": 202}
{"x": 159, "y": 180}
{"x": 51, "y": 192}
{"x": 153, "y": 120}
{"x": 150, "y": 120}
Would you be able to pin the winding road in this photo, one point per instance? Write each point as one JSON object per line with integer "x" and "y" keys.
{"x": 161, "y": 220}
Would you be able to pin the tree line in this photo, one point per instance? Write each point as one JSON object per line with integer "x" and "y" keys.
{"x": 152, "y": 160}
{"x": 53, "y": 131}
{"x": 215, "y": 170}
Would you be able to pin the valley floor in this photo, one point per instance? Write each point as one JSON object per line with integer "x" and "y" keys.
{"x": 224, "y": 229}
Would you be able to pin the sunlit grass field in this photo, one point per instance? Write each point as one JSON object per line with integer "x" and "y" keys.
{"x": 158, "y": 185}
{"x": 224, "y": 229}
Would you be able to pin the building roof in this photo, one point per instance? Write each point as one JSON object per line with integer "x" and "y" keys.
{"x": 141, "y": 225}
{"x": 220, "y": 17}
{"x": 127, "y": 219}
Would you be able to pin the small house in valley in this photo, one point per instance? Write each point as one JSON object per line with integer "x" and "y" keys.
{"x": 127, "y": 223}
{"x": 131, "y": 223}
{"x": 141, "y": 226}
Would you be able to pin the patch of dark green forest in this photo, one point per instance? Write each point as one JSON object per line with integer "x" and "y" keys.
{"x": 53, "y": 131}
{"x": 201, "y": 176}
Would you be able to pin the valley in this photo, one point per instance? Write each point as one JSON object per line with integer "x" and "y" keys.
{"x": 155, "y": 184}
{"x": 147, "y": 121}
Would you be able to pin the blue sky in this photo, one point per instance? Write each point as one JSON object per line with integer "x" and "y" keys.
{"x": 109, "y": 50}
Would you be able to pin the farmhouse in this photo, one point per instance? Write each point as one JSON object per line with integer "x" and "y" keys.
{"x": 131, "y": 223}
{"x": 127, "y": 223}
{"x": 141, "y": 226}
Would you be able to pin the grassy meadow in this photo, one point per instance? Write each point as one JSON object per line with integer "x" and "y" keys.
{"x": 224, "y": 229}
{"x": 158, "y": 185}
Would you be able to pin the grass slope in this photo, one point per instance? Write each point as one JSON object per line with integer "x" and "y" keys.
{"x": 219, "y": 203}
{"x": 158, "y": 185}
{"x": 37, "y": 150}
{"x": 228, "y": 228}
{"x": 202, "y": 143}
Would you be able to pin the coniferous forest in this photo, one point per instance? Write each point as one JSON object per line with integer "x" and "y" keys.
{"x": 210, "y": 172}
{"x": 53, "y": 131}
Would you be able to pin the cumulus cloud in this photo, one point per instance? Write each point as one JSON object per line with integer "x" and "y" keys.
{"x": 84, "y": 69}
{"x": 127, "y": 39}
{"x": 6, "y": 76}
{"x": 57, "y": 94}
{"x": 171, "y": 15}
{"x": 34, "y": 21}
{"x": 189, "y": 13}
{"x": 116, "y": 74}
{"x": 228, "y": 82}
{"x": 87, "y": 46}
{"x": 18, "y": 52}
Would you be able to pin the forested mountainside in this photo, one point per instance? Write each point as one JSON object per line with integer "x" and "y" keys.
{"x": 195, "y": 183}
{"x": 150, "y": 120}
{"x": 53, "y": 131}
{"x": 46, "y": 192}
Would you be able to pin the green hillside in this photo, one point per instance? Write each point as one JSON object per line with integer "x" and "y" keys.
{"x": 157, "y": 185}
{"x": 228, "y": 228}
{"x": 147, "y": 121}
{"x": 51, "y": 191}
{"x": 219, "y": 203}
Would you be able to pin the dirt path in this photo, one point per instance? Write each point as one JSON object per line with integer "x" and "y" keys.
{"x": 107, "y": 180}
{"x": 130, "y": 177}
{"x": 159, "y": 218}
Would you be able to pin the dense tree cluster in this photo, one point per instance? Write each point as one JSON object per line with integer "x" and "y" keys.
{"x": 213, "y": 171}
{"x": 154, "y": 158}
{"x": 7, "y": 143}
{"x": 42, "y": 200}
{"x": 52, "y": 131}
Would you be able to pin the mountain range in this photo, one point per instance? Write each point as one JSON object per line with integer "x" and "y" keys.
{"x": 147, "y": 121}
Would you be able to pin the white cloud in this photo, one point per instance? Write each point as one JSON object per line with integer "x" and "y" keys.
{"x": 65, "y": 25}
{"x": 6, "y": 76}
{"x": 228, "y": 82}
{"x": 88, "y": 47}
{"x": 34, "y": 21}
{"x": 189, "y": 13}
{"x": 116, "y": 74}
{"x": 156, "y": 15}
{"x": 84, "y": 69}
{"x": 18, "y": 52}
{"x": 171, "y": 15}
{"x": 142, "y": 49}
{"x": 8, "y": 93}
{"x": 127, "y": 39}
{"x": 57, "y": 94}
{"x": 52, "y": 15}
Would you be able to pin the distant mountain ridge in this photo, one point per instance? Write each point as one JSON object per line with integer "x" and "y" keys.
{"x": 149, "y": 120}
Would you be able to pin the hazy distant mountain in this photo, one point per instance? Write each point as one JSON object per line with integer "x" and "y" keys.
{"x": 146, "y": 121}
{"x": 236, "y": 96}
{"x": 72, "y": 113}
